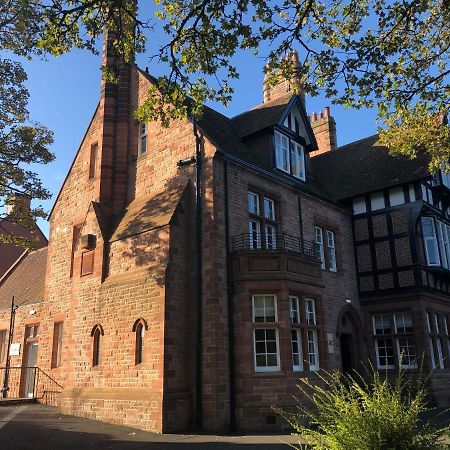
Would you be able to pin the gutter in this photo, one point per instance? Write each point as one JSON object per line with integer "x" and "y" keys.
{"x": 231, "y": 359}
{"x": 199, "y": 280}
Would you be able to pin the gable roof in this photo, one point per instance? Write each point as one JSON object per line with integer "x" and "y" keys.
{"x": 364, "y": 166}
{"x": 26, "y": 281}
{"x": 145, "y": 214}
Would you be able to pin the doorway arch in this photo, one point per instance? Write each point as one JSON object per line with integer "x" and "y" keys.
{"x": 349, "y": 329}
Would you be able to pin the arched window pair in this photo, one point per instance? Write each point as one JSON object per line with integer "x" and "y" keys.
{"x": 139, "y": 328}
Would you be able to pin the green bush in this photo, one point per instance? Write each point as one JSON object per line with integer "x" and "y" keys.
{"x": 364, "y": 413}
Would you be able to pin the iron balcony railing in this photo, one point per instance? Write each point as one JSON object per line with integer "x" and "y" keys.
{"x": 282, "y": 241}
{"x": 29, "y": 382}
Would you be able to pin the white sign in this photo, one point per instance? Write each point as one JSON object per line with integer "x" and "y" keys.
{"x": 14, "y": 350}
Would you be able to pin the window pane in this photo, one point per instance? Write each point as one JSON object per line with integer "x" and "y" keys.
{"x": 282, "y": 151}
{"x": 385, "y": 353}
{"x": 269, "y": 208}
{"x": 396, "y": 196}
{"x": 254, "y": 234}
{"x": 271, "y": 237}
{"x": 382, "y": 324}
{"x": 253, "y": 203}
{"x": 430, "y": 241}
{"x": 406, "y": 352}
{"x": 297, "y": 354}
{"x": 294, "y": 309}
{"x": 377, "y": 201}
{"x": 310, "y": 309}
{"x": 266, "y": 349}
{"x": 313, "y": 353}
{"x": 403, "y": 323}
{"x": 264, "y": 308}
{"x": 331, "y": 251}
{"x": 319, "y": 242}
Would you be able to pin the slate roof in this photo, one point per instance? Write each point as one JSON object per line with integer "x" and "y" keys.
{"x": 145, "y": 214}
{"x": 260, "y": 117}
{"x": 25, "y": 280}
{"x": 363, "y": 166}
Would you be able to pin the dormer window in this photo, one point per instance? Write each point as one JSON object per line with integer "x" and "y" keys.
{"x": 289, "y": 156}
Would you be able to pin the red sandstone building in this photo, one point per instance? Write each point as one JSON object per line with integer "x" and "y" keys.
{"x": 181, "y": 296}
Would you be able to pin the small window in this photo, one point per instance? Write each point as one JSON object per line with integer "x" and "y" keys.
{"x": 319, "y": 242}
{"x": 297, "y": 353}
{"x": 3, "y": 335}
{"x": 359, "y": 205}
{"x": 254, "y": 234}
{"x": 294, "y": 309}
{"x": 382, "y": 324}
{"x": 412, "y": 193}
{"x": 253, "y": 203}
{"x": 93, "y": 161}
{"x": 403, "y": 323}
{"x": 143, "y": 133}
{"x": 313, "y": 350}
{"x": 396, "y": 196}
{"x": 377, "y": 201}
{"x": 430, "y": 241}
{"x": 140, "y": 333}
{"x": 269, "y": 209}
{"x": 264, "y": 308}
{"x": 331, "y": 251}
{"x": 310, "y": 310}
{"x": 96, "y": 334}
{"x": 282, "y": 152}
{"x": 57, "y": 344}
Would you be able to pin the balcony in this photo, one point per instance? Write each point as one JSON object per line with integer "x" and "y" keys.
{"x": 280, "y": 256}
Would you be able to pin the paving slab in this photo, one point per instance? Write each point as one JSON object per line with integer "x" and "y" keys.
{"x": 37, "y": 427}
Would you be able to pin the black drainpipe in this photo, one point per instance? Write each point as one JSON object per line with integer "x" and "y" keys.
{"x": 199, "y": 281}
{"x": 230, "y": 305}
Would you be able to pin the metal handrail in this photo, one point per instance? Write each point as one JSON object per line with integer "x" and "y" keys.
{"x": 280, "y": 241}
{"x": 30, "y": 382}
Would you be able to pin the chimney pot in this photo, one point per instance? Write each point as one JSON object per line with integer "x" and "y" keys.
{"x": 327, "y": 111}
{"x": 321, "y": 115}
{"x": 313, "y": 117}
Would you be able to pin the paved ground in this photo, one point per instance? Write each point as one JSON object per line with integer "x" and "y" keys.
{"x": 36, "y": 427}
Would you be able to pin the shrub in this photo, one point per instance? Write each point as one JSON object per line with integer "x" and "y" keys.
{"x": 357, "y": 413}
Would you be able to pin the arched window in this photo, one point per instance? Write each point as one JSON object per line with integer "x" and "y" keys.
{"x": 139, "y": 328}
{"x": 96, "y": 332}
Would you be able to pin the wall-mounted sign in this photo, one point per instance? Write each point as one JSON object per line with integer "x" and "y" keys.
{"x": 14, "y": 350}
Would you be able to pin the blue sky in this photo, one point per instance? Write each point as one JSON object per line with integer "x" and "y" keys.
{"x": 64, "y": 92}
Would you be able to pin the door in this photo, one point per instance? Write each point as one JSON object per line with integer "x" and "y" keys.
{"x": 347, "y": 353}
{"x": 31, "y": 371}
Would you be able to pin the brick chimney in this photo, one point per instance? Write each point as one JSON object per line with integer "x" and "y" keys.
{"x": 115, "y": 113}
{"x": 324, "y": 128}
{"x": 284, "y": 85}
{"x": 18, "y": 205}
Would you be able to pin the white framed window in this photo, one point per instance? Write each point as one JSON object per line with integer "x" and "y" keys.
{"x": 267, "y": 357}
{"x": 430, "y": 241}
{"x": 310, "y": 311}
{"x": 297, "y": 351}
{"x": 435, "y": 341}
{"x": 313, "y": 350}
{"x": 289, "y": 156}
{"x": 319, "y": 242}
{"x": 253, "y": 203}
{"x": 294, "y": 309}
{"x": 297, "y": 160}
{"x": 270, "y": 236}
{"x": 282, "y": 151}
{"x": 396, "y": 196}
{"x": 384, "y": 353}
{"x": 269, "y": 209}
{"x": 394, "y": 340}
{"x": 331, "y": 251}
{"x": 266, "y": 342}
{"x": 443, "y": 243}
{"x": 359, "y": 205}
{"x": 265, "y": 308}
{"x": 254, "y": 232}
{"x": 143, "y": 133}
{"x": 377, "y": 201}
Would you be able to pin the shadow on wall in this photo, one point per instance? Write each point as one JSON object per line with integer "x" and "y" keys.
{"x": 141, "y": 237}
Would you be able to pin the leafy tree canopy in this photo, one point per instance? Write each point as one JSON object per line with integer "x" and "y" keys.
{"x": 23, "y": 143}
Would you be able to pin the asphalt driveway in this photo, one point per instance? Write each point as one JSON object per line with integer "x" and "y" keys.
{"x": 37, "y": 427}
